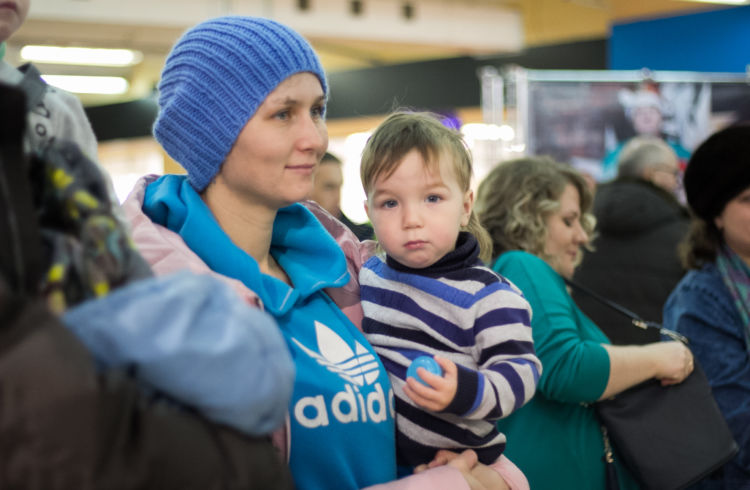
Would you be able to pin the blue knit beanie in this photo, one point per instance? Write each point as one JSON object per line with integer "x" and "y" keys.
{"x": 215, "y": 78}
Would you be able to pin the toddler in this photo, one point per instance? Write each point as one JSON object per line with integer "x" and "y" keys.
{"x": 432, "y": 295}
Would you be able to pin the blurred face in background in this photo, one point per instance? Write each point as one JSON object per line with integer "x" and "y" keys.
{"x": 665, "y": 175}
{"x": 565, "y": 233}
{"x": 12, "y": 15}
{"x": 734, "y": 224}
{"x": 327, "y": 186}
{"x": 647, "y": 120}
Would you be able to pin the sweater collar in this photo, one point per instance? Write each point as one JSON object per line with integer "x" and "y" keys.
{"x": 466, "y": 254}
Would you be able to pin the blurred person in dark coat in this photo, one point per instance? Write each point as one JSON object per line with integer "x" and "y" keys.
{"x": 640, "y": 221}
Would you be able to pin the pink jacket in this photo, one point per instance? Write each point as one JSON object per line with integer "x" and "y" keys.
{"x": 167, "y": 252}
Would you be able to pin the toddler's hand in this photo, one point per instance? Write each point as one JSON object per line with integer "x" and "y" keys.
{"x": 441, "y": 391}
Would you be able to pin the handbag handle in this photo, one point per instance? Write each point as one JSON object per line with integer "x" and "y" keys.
{"x": 634, "y": 318}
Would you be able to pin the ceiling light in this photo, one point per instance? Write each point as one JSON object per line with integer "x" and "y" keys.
{"x": 81, "y": 56}
{"x": 724, "y": 2}
{"x": 488, "y": 132}
{"x": 87, "y": 84}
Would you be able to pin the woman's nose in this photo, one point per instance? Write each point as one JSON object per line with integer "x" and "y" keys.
{"x": 314, "y": 135}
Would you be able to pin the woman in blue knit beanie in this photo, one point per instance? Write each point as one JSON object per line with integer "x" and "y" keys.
{"x": 242, "y": 108}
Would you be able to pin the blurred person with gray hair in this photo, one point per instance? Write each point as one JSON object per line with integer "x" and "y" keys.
{"x": 640, "y": 223}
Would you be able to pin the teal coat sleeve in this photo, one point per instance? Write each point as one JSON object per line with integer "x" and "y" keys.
{"x": 576, "y": 366}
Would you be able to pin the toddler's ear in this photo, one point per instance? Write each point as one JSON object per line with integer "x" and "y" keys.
{"x": 468, "y": 206}
{"x": 367, "y": 209}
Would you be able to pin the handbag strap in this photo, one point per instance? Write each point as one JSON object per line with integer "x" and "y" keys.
{"x": 634, "y": 318}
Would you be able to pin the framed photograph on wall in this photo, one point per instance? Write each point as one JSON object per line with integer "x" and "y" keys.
{"x": 585, "y": 117}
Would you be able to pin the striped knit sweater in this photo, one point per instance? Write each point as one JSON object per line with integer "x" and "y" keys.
{"x": 461, "y": 310}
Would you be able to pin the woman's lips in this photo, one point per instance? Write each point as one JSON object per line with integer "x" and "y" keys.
{"x": 306, "y": 168}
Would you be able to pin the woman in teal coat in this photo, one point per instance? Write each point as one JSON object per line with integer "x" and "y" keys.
{"x": 537, "y": 212}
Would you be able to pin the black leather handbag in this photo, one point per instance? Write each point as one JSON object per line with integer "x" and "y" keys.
{"x": 669, "y": 437}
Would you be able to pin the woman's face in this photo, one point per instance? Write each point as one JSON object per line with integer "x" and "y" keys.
{"x": 274, "y": 159}
{"x": 734, "y": 224}
{"x": 565, "y": 234}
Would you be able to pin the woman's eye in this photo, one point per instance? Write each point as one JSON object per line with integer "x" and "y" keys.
{"x": 568, "y": 222}
{"x": 318, "y": 111}
{"x": 283, "y": 115}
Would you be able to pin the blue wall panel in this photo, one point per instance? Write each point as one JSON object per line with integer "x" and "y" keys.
{"x": 716, "y": 41}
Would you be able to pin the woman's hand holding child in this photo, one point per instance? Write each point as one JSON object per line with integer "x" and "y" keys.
{"x": 477, "y": 475}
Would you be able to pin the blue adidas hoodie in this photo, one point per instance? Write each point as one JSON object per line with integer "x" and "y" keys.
{"x": 342, "y": 431}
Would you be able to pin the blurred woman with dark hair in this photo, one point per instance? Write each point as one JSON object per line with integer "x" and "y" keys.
{"x": 711, "y": 305}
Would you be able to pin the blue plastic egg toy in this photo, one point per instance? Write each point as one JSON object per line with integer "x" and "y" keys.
{"x": 426, "y": 362}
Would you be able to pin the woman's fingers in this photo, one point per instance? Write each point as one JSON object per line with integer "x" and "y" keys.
{"x": 465, "y": 461}
{"x": 677, "y": 363}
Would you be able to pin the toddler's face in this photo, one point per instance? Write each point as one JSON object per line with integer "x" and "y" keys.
{"x": 417, "y": 211}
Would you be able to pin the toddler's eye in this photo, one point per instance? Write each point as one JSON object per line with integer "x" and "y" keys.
{"x": 433, "y": 198}
{"x": 390, "y": 203}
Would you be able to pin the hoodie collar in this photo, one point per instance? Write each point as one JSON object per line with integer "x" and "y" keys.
{"x": 300, "y": 244}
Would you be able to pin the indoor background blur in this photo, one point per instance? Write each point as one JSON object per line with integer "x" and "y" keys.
{"x": 448, "y": 56}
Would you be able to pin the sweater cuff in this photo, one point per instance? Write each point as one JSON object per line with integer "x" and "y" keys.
{"x": 468, "y": 392}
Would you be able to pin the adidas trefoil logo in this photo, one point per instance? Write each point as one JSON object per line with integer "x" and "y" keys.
{"x": 358, "y": 368}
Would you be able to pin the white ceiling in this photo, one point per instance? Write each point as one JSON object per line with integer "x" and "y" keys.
{"x": 379, "y": 35}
